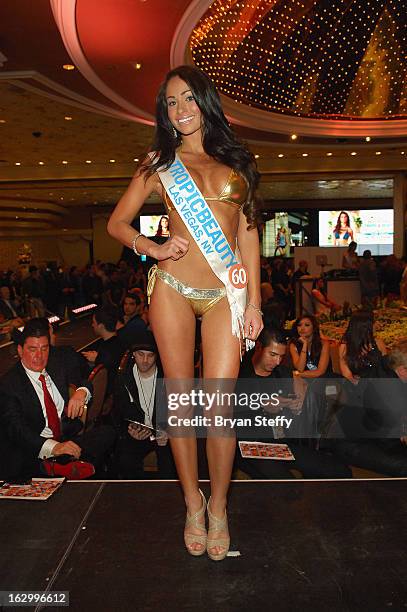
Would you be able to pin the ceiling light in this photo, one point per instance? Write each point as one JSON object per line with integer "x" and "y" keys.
{"x": 16, "y": 217}
{"x": 402, "y": 152}
{"x": 329, "y": 154}
{"x": 137, "y": 65}
{"x": 135, "y": 159}
{"x": 353, "y": 153}
{"x": 305, "y": 154}
{"x": 88, "y": 161}
{"x": 64, "y": 161}
{"x": 18, "y": 163}
{"x": 368, "y": 139}
{"x": 112, "y": 161}
{"x": 281, "y": 154}
{"x": 2, "y": 121}
{"x": 68, "y": 67}
{"x": 294, "y": 136}
{"x": 378, "y": 152}
{"x": 68, "y": 118}
{"x": 256, "y": 156}
{"x": 41, "y": 163}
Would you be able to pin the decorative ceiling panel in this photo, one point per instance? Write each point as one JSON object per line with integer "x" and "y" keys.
{"x": 328, "y": 59}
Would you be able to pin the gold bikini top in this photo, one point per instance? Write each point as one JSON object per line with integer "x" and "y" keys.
{"x": 234, "y": 192}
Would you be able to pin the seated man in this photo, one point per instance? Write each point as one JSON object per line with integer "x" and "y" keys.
{"x": 138, "y": 390}
{"x": 108, "y": 350}
{"x": 133, "y": 323}
{"x": 10, "y": 312}
{"x": 376, "y": 431}
{"x": 37, "y": 418}
{"x": 263, "y": 372}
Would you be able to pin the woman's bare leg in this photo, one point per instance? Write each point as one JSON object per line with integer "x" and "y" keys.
{"x": 173, "y": 324}
{"x": 221, "y": 360}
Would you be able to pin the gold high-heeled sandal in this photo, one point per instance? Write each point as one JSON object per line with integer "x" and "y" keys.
{"x": 216, "y": 524}
{"x": 192, "y": 521}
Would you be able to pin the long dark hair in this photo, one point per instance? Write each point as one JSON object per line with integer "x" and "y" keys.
{"x": 218, "y": 139}
{"x": 359, "y": 339}
{"x": 159, "y": 231}
{"x": 316, "y": 344}
{"x": 338, "y": 222}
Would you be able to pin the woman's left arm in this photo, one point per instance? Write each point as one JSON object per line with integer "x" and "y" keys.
{"x": 248, "y": 242}
{"x": 322, "y": 363}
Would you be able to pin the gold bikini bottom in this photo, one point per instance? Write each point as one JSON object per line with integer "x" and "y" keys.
{"x": 201, "y": 300}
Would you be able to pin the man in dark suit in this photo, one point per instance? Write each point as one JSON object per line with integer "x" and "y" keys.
{"x": 140, "y": 396}
{"x": 34, "y": 423}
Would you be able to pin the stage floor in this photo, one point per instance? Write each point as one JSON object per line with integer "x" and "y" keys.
{"x": 304, "y": 545}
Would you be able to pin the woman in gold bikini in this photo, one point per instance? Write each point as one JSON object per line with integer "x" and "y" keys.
{"x": 191, "y": 123}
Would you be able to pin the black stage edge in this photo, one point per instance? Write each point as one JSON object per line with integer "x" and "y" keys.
{"x": 305, "y": 545}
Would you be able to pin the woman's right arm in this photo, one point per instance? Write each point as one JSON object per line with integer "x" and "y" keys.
{"x": 299, "y": 359}
{"x": 128, "y": 207}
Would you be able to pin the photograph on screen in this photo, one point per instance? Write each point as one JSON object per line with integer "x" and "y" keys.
{"x": 284, "y": 231}
{"x": 370, "y": 229}
{"x": 154, "y": 225}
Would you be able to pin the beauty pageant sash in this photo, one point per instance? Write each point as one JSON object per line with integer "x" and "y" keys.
{"x": 208, "y": 235}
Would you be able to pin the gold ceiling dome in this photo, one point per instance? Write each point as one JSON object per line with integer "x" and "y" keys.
{"x": 336, "y": 59}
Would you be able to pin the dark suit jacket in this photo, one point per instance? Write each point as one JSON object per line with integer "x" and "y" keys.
{"x": 21, "y": 416}
{"x": 6, "y": 311}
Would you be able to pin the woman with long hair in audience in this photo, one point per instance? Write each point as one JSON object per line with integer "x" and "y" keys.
{"x": 360, "y": 352}
{"x": 193, "y": 136}
{"x": 309, "y": 352}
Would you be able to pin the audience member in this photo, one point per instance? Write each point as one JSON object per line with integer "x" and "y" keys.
{"x": 133, "y": 323}
{"x": 92, "y": 286}
{"x": 265, "y": 368}
{"x": 37, "y": 418}
{"x": 322, "y": 304}
{"x": 108, "y": 350}
{"x": 350, "y": 259}
{"x": 33, "y": 290}
{"x": 309, "y": 352}
{"x": 375, "y": 432}
{"x": 115, "y": 289}
{"x": 369, "y": 280}
{"x": 391, "y": 272}
{"x": 302, "y": 270}
{"x": 139, "y": 390}
{"x": 360, "y": 353}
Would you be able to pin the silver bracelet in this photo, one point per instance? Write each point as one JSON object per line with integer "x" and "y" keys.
{"x": 133, "y": 244}
{"x": 255, "y": 308}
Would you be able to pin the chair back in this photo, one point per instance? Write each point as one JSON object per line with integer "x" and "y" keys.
{"x": 98, "y": 378}
{"x": 124, "y": 361}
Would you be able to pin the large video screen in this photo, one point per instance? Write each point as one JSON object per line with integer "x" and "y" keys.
{"x": 154, "y": 225}
{"x": 371, "y": 229}
{"x": 283, "y": 231}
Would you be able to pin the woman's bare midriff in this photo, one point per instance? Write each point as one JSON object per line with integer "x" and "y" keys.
{"x": 193, "y": 269}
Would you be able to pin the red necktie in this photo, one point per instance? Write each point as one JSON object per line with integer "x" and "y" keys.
{"x": 51, "y": 410}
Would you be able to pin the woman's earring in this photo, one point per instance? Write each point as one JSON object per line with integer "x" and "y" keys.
{"x": 175, "y": 133}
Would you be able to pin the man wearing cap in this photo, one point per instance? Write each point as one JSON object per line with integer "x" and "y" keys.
{"x": 140, "y": 396}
